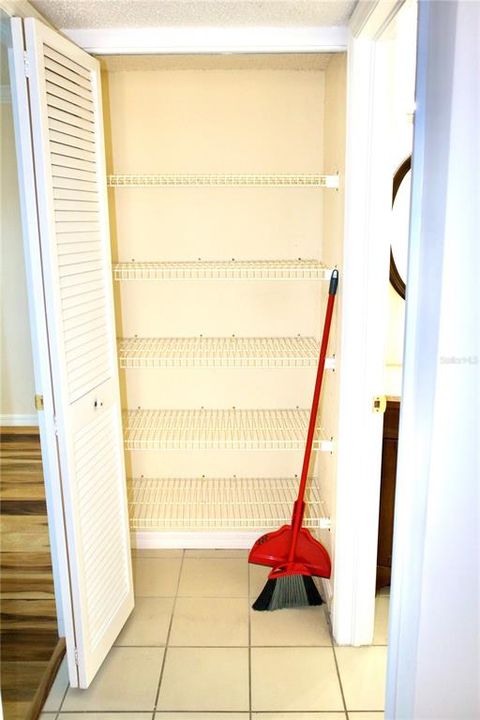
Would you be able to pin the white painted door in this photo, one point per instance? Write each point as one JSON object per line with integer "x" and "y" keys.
{"x": 65, "y": 127}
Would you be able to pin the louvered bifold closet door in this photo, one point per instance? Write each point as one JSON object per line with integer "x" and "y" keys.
{"x": 67, "y": 130}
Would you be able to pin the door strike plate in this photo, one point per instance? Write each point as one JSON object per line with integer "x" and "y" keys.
{"x": 38, "y": 402}
{"x": 379, "y": 404}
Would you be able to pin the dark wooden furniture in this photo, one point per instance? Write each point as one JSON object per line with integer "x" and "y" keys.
{"x": 387, "y": 491}
{"x": 28, "y": 620}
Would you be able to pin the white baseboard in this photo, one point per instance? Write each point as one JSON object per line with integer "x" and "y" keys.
{"x": 210, "y": 539}
{"x": 18, "y": 420}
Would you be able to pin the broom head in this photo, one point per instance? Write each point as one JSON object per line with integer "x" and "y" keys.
{"x": 288, "y": 586}
{"x": 290, "y": 583}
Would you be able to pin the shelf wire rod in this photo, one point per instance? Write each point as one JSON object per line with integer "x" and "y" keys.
{"x": 289, "y": 180}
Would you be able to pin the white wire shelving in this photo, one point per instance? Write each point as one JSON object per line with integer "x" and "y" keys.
{"x": 220, "y": 503}
{"x": 220, "y": 352}
{"x": 298, "y": 269}
{"x": 229, "y": 429}
{"x": 312, "y": 180}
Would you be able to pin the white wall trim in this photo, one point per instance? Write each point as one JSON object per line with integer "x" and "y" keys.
{"x": 365, "y": 294}
{"x": 212, "y": 539}
{"x": 359, "y": 431}
{"x": 370, "y": 19}
{"x": 183, "y": 40}
{"x": 18, "y": 420}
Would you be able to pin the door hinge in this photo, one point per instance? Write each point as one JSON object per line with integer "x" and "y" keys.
{"x": 379, "y": 404}
{"x": 26, "y": 64}
{"x": 38, "y": 402}
{"x": 76, "y": 656}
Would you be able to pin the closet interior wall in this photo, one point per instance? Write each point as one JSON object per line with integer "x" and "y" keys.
{"x": 262, "y": 115}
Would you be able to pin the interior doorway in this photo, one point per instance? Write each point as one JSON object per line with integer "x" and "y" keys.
{"x": 379, "y": 138}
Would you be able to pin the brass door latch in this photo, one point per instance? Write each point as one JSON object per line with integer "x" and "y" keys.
{"x": 379, "y": 404}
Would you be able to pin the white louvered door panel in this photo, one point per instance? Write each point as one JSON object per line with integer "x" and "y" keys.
{"x": 67, "y": 132}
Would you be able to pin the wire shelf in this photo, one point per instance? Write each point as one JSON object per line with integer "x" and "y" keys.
{"x": 223, "y": 270}
{"x": 230, "y": 429}
{"x": 221, "y": 503}
{"x": 313, "y": 180}
{"x": 220, "y": 352}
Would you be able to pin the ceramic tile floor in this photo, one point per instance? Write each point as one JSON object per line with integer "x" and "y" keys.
{"x": 194, "y": 650}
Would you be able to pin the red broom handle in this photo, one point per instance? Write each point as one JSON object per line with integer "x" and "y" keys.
{"x": 299, "y": 506}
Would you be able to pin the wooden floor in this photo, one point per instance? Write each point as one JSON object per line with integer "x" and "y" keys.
{"x": 28, "y": 627}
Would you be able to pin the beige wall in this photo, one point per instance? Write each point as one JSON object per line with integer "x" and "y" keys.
{"x": 250, "y": 120}
{"x": 217, "y": 121}
{"x": 17, "y": 384}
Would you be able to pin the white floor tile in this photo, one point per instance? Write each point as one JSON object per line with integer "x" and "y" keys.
{"x": 234, "y": 553}
{"x": 293, "y": 670}
{"x": 106, "y": 716}
{"x": 302, "y": 626}
{"x": 149, "y": 622}
{"x": 300, "y": 716}
{"x": 380, "y": 635}
{"x": 208, "y": 577}
{"x": 294, "y": 679}
{"x": 155, "y": 577}
{"x": 158, "y": 553}
{"x": 210, "y": 621}
{"x": 127, "y": 680}
{"x": 48, "y": 716}
{"x": 58, "y": 689}
{"x": 362, "y": 673}
{"x": 200, "y": 716}
{"x": 258, "y": 578}
{"x": 205, "y": 679}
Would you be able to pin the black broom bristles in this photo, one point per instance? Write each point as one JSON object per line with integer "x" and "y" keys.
{"x": 288, "y": 591}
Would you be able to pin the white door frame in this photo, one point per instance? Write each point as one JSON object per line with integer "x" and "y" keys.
{"x": 365, "y": 302}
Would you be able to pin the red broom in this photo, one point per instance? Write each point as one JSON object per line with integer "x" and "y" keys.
{"x": 292, "y": 551}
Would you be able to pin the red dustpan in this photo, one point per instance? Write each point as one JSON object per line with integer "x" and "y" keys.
{"x": 273, "y": 550}
{"x": 292, "y": 549}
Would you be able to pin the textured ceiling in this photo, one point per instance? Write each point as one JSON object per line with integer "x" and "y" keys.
{"x": 292, "y": 61}
{"x": 75, "y": 14}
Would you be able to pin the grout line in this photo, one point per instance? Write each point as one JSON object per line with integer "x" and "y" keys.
{"x": 197, "y": 597}
{"x": 329, "y": 623}
{"x": 63, "y": 698}
{"x": 340, "y": 713}
{"x": 340, "y": 681}
{"x": 218, "y": 712}
{"x": 168, "y": 637}
{"x": 57, "y": 712}
{"x": 226, "y": 647}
